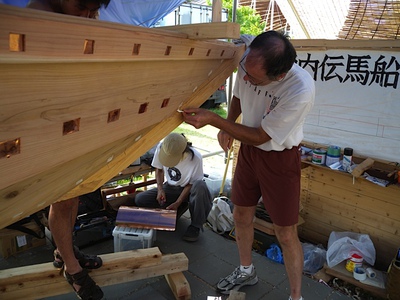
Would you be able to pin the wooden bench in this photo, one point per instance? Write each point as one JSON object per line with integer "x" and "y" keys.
{"x": 43, "y": 280}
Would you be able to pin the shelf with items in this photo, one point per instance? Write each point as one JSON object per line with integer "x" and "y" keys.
{"x": 116, "y": 195}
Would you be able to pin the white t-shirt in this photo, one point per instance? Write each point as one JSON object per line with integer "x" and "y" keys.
{"x": 187, "y": 171}
{"x": 279, "y": 107}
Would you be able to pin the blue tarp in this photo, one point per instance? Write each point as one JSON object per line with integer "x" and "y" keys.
{"x": 20, "y": 3}
{"x": 136, "y": 12}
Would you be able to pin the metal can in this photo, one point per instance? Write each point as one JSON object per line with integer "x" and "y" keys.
{"x": 319, "y": 156}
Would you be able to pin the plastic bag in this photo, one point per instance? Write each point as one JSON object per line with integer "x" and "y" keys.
{"x": 274, "y": 253}
{"x": 342, "y": 245}
{"x": 220, "y": 217}
{"x": 314, "y": 257}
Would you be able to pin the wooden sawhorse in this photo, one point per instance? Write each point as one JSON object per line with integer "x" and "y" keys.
{"x": 43, "y": 280}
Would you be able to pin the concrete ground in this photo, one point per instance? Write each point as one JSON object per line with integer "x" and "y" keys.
{"x": 210, "y": 258}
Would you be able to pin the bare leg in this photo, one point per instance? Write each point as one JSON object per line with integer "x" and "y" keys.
{"x": 293, "y": 257}
{"x": 244, "y": 232}
{"x": 60, "y": 221}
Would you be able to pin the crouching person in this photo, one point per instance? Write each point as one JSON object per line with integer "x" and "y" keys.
{"x": 182, "y": 167}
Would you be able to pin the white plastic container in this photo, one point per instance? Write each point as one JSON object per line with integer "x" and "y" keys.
{"x": 332, "y": 155}
{"x": 214, "y": 185}
{"x": 128, "y": 238}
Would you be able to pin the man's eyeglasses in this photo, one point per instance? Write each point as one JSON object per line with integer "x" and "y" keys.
{"x": 252, "y": 80}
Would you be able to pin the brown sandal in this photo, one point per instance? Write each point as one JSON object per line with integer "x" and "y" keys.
{"x": 89, "y": 290}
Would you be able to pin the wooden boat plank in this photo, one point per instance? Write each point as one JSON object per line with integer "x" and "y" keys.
{"x": 88, "y": 172}
{"x": 48, "y": 40}
{"x": 212, "y": 30}
{"x": 44, "y": 87}
{"x": 35, "y": 108}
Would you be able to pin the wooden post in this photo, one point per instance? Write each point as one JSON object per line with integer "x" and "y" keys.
{"x": 216, "y": 10}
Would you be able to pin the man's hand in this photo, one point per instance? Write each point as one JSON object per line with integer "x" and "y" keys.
{"x": 225, "y": 140}
{"x": 161, "y": 198}
{"x": 198, "y": 117}
{"x": 173, "y": 206}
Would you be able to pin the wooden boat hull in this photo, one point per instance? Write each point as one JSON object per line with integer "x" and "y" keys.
{"x": 81, "y": 99}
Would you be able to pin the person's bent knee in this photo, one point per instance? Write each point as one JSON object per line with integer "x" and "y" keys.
{"x": 199, "y": 190}
{"x": 199, "y": 185}
{"x": 138, "y": 200}
{"x": 66, "y": 204}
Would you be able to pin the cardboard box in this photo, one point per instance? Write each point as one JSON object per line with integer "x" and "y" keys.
{"x": 14, "y": 241}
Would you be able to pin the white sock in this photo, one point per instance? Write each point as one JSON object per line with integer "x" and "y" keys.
{"x": 246, "y": 269}
{"x": 301, "y": 298}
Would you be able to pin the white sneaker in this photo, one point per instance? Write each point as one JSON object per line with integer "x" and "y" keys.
{"x": 236, "y": 280}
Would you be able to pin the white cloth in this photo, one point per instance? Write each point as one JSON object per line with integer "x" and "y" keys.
{"x": 187, "y": 171}
{"x": 279, "y": 107}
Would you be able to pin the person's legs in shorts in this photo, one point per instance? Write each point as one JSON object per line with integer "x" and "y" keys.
{"x": 245, "y": 195}
{"x": 281, "y": 195}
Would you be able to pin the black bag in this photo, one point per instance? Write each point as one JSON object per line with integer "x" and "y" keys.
{"x": 91, "y": 202}
{"x": 37, "y": 217}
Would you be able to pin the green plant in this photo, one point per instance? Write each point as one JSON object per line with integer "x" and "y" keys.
{"x": 220, "y": 110}
{"x": 250, "y": 21}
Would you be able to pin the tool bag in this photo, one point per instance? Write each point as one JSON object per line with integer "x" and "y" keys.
{"x": 220, "y": 217}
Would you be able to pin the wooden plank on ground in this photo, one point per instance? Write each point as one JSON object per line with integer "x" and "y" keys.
{"x": 322, "y": 275}
{"x": 236, "y": 295}
{"x": 340, "y": 272}
{"x": 268, "y": 227}
{"x": 179, "y": 286}
{"x": 43, "y": 280}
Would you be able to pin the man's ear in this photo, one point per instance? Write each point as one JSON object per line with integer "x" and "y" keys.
{"x": 281, "y": 77}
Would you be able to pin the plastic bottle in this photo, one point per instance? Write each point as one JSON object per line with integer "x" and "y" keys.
{"x": 333, "y": 155}
{"x": 347, "y": 158}
{"x": 355, "y": 261}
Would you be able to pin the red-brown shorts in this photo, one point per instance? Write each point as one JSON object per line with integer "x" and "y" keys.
{"x": 273, "y": 174}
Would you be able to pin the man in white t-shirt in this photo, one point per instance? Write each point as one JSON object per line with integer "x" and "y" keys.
{"x": 182, "y": 166}
{"x": 274, "y": 95}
